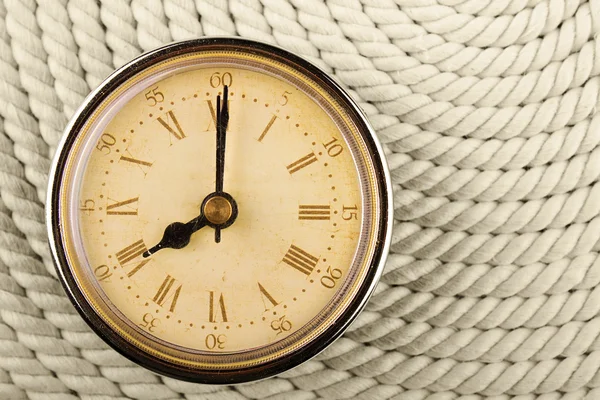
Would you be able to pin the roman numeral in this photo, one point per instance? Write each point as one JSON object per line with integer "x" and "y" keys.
{"x": 213, "y": 114}
{"x": 269, "y": 125}
{"x": 167, "y": 292}
{"x": 300, "y": 259}
{"x": 314, "y": 212}
{"x": 122, "y": 207}
{"x": 213, "y": 308}
{"x": 130, "y": 252}
{"x": 141, "y": 164}
{"x": 266, "y": 295}
{"x": 138, "y": 267}
{"x": 301, "y": 163}
{"x": 177, "y": 132}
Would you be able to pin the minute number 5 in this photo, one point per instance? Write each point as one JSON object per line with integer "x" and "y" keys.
{"x": 284, "y": 98}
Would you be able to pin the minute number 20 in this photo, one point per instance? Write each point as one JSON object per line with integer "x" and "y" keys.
{"x": 330, "y": 280}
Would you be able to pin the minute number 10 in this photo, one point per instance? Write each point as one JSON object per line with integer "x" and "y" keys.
{"x": 217, "y": 79}
{"x": 333, "y": 149}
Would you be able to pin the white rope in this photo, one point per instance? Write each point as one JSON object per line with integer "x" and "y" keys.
{"x": 488, "y": 111}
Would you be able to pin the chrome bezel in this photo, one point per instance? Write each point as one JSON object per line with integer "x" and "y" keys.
{"x": 270, "y": 368}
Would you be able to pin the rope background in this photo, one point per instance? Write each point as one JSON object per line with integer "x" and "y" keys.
{"x": 489, "y": 110}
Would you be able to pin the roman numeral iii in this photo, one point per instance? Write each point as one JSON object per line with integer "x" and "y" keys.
{"x": 300, "y": 260}
{"x": 167, "y": 293}
{"x": 314, "y": 212}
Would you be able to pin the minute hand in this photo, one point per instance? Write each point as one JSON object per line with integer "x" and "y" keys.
{"x": 222, "y": 122}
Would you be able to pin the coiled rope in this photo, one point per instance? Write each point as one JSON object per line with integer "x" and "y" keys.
{"x": 488, "y": 110}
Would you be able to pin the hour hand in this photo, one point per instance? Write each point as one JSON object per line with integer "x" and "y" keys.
{"x": 177, "y": 235}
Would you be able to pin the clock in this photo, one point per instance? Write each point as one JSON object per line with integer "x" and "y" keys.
{"x": 219, "y": 210}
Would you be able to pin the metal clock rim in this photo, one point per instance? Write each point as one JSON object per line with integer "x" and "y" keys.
{"x": 156, "y": 364}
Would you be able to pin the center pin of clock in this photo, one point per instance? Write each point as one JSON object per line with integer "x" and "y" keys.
{"x": 218, "y": 210}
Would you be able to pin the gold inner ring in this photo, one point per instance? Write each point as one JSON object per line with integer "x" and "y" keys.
{"x": 218, "y": 210}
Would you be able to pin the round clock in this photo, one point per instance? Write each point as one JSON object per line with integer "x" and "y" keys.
{"x": 219, "y": 210}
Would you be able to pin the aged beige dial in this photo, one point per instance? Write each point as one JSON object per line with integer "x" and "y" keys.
{"x": 219, "y": 206}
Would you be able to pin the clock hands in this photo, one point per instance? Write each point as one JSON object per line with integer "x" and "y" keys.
{"x": 221, "y": 125}
{"x": 218, "y": 210}
{"x": 177, "y": 235}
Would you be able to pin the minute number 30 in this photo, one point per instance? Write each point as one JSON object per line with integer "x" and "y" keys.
{"x": 215, "y": 341}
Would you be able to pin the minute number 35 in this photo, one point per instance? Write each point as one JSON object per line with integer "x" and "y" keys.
{"x": 149, "y": 322}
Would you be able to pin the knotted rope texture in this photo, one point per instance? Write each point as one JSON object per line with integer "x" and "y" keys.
{"x": 488, "y": 111}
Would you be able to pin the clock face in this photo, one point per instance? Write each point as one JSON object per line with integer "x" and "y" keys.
{"x": 298, "y": 198}
{"x": 219, "y": 210}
